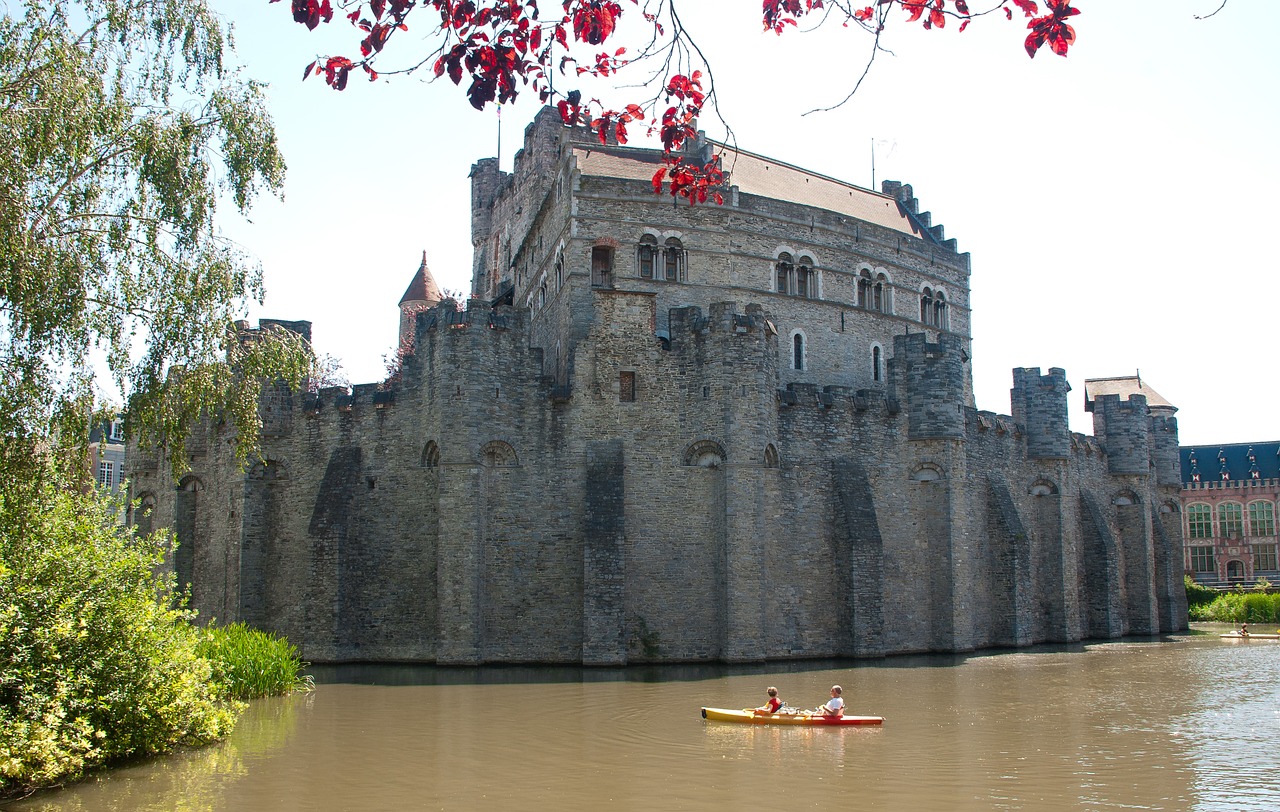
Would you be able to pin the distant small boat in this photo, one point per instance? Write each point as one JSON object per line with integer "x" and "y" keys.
{"x": 1249, "y": 636}
{"x": 749, "y": 716}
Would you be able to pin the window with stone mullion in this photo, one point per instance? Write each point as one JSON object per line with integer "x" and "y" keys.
{"x": 1230, "y": 519}
{"x": 1199, "y": 522}
{"x": 1262, "y": 521}
{"x": 1202, "y": 559}
{"x": 1264, "y": 557}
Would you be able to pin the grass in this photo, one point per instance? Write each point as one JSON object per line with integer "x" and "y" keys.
{"x": 248, "y": 663}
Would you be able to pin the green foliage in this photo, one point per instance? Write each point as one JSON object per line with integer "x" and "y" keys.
{"x": 123, "y": 130}
{"x": 94, "y": 664}
{"x": 1198, "y": 594}
{"x": 1239, "y": 607}
{"x": 248, "y": 663}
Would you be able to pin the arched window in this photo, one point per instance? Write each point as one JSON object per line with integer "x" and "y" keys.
{"x": 804, "y": 278}
{"x": 770, "y": 456}
{"x": 674, "y": 260}
{"x": 559, "y": 270}
{"x": 1199, "y": 521}
{"x": 797, "y": 352}
{"x": 431, "y": 455}
{"x": 1262, "y": 519}
{"x": 704, "y": 454}
{"x": 542, "y": 295}
{"x": 646, "y": 255}
{"x": 498, "y": 454}
{"x": 877, "y": 374}
{"x": 880, "y": 298}
{"x": 933, "y": 309}
{"x": 784, "y": 268}
{"x": 864, "y": 289}
{"x": 1230, "y": 519}
{"x": 1042, "y": 487}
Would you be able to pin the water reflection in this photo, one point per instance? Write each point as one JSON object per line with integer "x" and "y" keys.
{"x": 1177, "y": 724}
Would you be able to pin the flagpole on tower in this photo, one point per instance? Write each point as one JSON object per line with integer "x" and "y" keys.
{"x": 499, "y": 137}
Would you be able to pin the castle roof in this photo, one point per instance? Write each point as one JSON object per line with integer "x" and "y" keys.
{"x": 758, "y": 175}
{"x": 1123, "y": 386}
{"x": 423, "y": 288}
{"x": 1239, "y": 461}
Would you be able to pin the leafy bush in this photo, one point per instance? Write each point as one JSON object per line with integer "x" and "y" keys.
{"x": 1198, "y": 594}
{"x": 1239, "y": 607}
{"x": 248, "y": 663}
{"x": 95, "y": 665}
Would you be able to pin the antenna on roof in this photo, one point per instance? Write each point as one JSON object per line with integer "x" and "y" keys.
{"x": 873, "y": 163}
{"x": 1138, "y": 374}
{"x": 499, "y": 106}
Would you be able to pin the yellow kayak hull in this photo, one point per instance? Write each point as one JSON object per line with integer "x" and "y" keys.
{"x": 753, "y": 717}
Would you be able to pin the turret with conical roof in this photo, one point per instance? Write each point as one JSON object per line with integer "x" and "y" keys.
{"x": 422, "y": 293}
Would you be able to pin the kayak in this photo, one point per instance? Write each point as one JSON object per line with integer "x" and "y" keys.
{"x": 1249, "y": 636}
{"x": 754, "y": 717}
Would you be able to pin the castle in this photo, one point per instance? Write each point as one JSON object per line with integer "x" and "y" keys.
{"x": 660, "y": 432}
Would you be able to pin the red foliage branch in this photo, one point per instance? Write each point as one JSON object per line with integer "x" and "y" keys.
{"x": 504, "y": 45}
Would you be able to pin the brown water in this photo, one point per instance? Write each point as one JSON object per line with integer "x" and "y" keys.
{"x": 1183, "y": 723}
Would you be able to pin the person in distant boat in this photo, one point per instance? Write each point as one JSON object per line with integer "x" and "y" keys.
{"x": 774, "y": 704}
{"x": 835, "y": 705}
{"x": 1244, "y": 629}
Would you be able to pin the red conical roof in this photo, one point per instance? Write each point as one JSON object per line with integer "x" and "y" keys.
{"x": 423, "y": 288}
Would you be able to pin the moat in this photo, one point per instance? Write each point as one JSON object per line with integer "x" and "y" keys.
{"x": 1176, "y": 723}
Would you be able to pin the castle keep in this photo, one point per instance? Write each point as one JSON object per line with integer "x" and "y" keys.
{"x": 659, "y": 432}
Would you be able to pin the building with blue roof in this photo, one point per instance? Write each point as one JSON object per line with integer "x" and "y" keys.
{"x": 1229, "y": 501}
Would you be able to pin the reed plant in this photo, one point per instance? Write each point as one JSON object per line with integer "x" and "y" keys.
{"x": 249, "y": 663}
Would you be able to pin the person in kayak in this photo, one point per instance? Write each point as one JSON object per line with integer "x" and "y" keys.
{"x": 835, "y": 705}
{"x": 774, "y": 704}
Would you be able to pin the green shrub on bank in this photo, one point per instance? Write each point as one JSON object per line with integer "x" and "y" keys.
{"x": 248, "y": 663}
{"x": 1198, "y": 594}
{"x": 1239, "y": 607}
{"x": 95, "y": 665}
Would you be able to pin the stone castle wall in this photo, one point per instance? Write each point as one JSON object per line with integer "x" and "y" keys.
{"x": 637, "y": 472}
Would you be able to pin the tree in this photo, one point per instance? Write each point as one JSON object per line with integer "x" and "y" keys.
{"x": 504, "y": 45}
{"x": 123, "y": 129}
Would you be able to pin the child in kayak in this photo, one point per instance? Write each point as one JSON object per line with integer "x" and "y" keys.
{"x": 774, "y": 704}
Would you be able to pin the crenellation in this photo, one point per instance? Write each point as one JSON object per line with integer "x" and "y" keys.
{"x": 651, "y": 425}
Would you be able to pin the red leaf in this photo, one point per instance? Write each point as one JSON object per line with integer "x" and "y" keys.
{"x": 310, "y": 67}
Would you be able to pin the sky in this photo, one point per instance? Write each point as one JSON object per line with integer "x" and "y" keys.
{"x": 1116, "y": 203}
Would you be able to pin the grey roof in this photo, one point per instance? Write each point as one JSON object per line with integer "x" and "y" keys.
{"x": 756, "y": 175}
{"x": 1123, "y": 386}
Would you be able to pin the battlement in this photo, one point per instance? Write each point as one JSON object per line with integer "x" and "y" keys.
{"x": 921, "y": 221}
{"x": 724, "y": 318}
{"x": 1124, "y": 429}
{"x": 1039, "y": 404}
{"x": 929, "y": 379}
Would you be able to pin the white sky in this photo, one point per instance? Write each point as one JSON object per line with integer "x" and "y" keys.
{"x": 1116, "y": 203}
